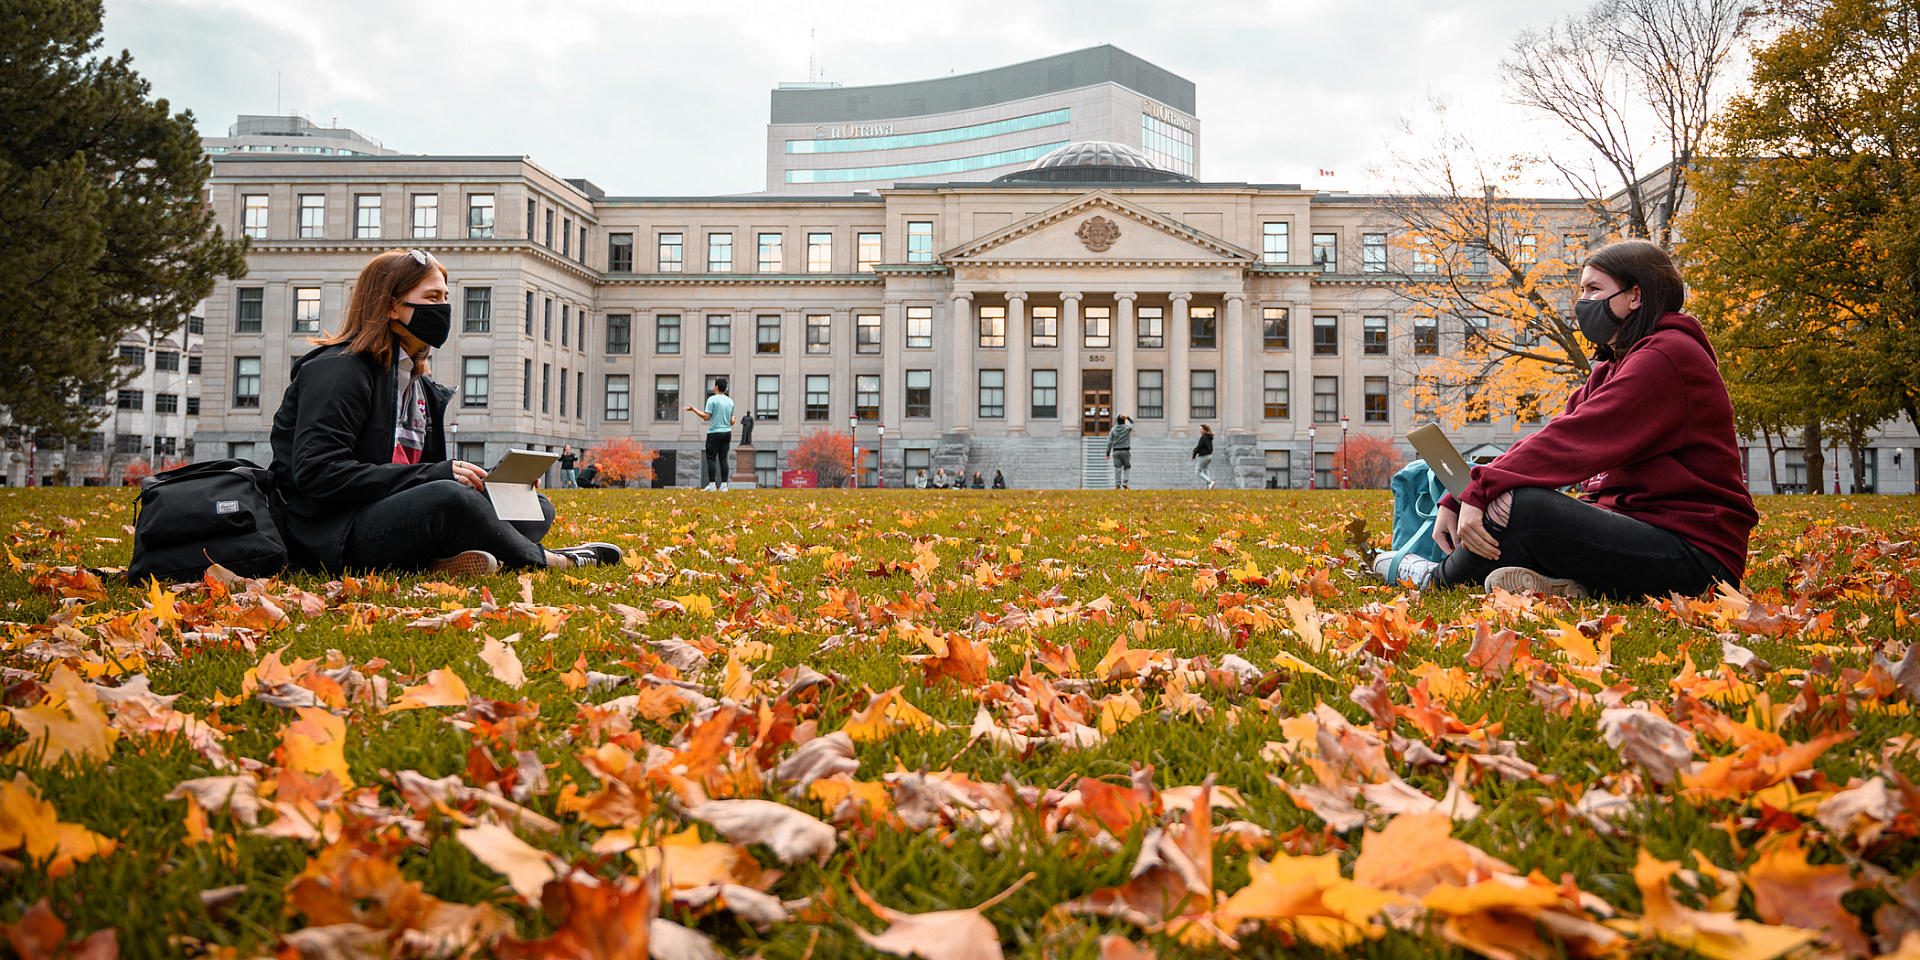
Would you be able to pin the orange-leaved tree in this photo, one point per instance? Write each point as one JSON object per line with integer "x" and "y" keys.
{"x": 138, "y": 470}
{"x": 828, "y": 453}
{"x": 1370, "y": 462}
{"x": 623, "y": 459}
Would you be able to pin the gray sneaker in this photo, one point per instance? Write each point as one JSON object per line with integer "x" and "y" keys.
{"x": 594, "y": 554}
{"x": 1524, "y": 580}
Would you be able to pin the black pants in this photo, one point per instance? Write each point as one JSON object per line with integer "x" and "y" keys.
{"x": 713, "y": 463}
{"x": 1611, "y": 555}
{"x": 415, "y": 527}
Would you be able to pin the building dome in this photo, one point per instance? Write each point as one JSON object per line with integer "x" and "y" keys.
{"x": 1095, "y": 161}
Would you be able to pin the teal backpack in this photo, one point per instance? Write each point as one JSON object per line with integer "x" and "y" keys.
{"x": 1416, "y": 504}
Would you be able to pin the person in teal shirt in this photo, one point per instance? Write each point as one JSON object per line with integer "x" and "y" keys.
{"x": 719, "y": 418}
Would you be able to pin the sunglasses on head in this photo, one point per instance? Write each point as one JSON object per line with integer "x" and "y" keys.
{"x": 421, "y": 257}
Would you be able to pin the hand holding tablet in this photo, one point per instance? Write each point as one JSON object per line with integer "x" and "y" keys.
{"x": 510, "y": 484}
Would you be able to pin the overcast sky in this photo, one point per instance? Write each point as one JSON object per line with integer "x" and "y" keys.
{"x": 671, "y": 98}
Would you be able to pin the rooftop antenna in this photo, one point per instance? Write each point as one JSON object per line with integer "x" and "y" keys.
{"x": 812, "y": 70}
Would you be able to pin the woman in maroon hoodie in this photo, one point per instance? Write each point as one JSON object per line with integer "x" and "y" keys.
{"x": 1649, "y": 441}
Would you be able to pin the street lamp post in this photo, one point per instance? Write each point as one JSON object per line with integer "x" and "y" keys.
{"x": 880, "y": 458}
{"x": 853, "y": 436}
{"x": 1344, "y": 453}
{"x": 1311, "y": 465}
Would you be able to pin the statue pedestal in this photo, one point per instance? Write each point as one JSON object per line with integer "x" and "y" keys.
{"x": 743, "y": 475}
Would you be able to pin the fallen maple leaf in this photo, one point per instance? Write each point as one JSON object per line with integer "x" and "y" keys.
{"x": 316, "y": 744}
{"x": 1416, "y": 852}
{"x": 503, "y": 662}
{"x": 1787, "y": 889}
{"x": 28, "y": 822}
{"x": 1648, "y": 739}
{"x": 1719, "y": 936}
{"x": 40, "y": 935}
{"x": 68, "y": 724}
{"x": 443, "y": 688}
{"x": 791, "y": 834}
{"x": 939, "y": 935}
{"x": 598, "y": 920}
{"x": 527, "y": 869}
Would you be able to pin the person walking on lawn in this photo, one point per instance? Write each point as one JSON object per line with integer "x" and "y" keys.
{"x": 569, "y": 477}
{"x": 719, "y": 418}
{"x": 1202, "y": 455}
{"x": 1120, "y": 450}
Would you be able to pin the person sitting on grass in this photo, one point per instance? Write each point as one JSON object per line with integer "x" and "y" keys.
{"x": 589, "y": 478}
{"x": 359, "y": 453}
{"x": 1649, "y": 440}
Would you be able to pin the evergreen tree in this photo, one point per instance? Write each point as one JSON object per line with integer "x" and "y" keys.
{"x": 103, "y": 224}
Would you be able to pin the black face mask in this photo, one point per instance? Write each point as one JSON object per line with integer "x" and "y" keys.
{"x": 1597, "y": 322}
{"x": 431, "y": 322}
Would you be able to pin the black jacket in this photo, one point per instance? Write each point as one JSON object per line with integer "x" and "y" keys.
{"x": 1203, "y": 447}
{"x": 333, "y": 448}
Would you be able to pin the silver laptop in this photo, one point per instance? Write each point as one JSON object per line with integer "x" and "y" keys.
{"x": 510, "y": 485}
{"x": 1441, "y": 457}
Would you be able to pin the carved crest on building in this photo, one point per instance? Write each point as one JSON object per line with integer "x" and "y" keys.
{"x": 1098, "y": 233}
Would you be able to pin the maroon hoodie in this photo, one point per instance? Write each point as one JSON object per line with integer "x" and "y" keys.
{"x": 1650, "y": 436}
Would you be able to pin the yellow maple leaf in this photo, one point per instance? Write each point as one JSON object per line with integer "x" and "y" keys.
{"x": 737, "y": 681}
{"x": 443, "y": 688}
{"x": 30, "y": 823}
{"x": 1716, "y": 935}
{"x": 316, "y": 744}
{"x": 697, "y": 604}
{"x": 160, "y": 604}
{"x": 68, "y": 724}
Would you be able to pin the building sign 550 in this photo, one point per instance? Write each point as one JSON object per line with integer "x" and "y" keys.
{"x": 846, "y": 130}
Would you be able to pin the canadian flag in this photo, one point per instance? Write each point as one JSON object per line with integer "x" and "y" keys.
{"x": 1326, "y": 173}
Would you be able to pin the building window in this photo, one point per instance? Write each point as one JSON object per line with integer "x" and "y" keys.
{"x": 766, "y": 333}
{"x": 313, "y": 216}
{"x": 819, "y": 333}
{"x": 1203, "y": 328}
{"x": 253, "y": 221}
{"x": 1277, "y": 395}
{"x": 919, "y": 393}
{"x": 1152, "y": 395}
{"x": 526, "y": 384}
{"x": 1473, "y": 328}
{"x": 528, "y": 313}
{"x": 866, "y": 396}
{"x": 480, "y": 216}
{"x": 1046, "y": 326}
{"x": 771, "y": 259}
{"x": 475, "y": 372}
{"x": 580, "y": 395}
{"x": 196, "y": 325}
{"x": 1423, "y": 259}
{"x": 546, "y": 389}
{"x": 193, "y": 408}
{"x": 1373, "y": 335}
{"x": 250, "y": 309}
{"x": 471, "y": 452}
{"x": 1326, "y": 252}
{"x": 1275, "y": 329}
{"x": 127, "y": 443}
{"x": 583, "y": 244}
{"x": 915, "y": 461}
{"x": 549, "y": 229}
{"x": 1326, "y": 336}
{"x": 166, "y": 403}
{"x": 306, "y": 309}
{"x": 532, "y": 208}
{"x": 164, "y": 446}
{"x": 1150, "y": 328}
{"x": 766, "y": 468}
{"x": 620, "y": 253}
{"x": 426, "y": 216}
{"x": 1426, "y": 336}
{"x": 619, "y": 398}
{"x": 719, "y": 334}
{"x": 566, "y": 236}
{"x": 1326, "y": 399}
{"x": 366, "y": 216}
{"x": 920, "y": 327}
{"x": 666, "y": 396}
{"x": 993, "y": 326}
{"x": 819, "y": 253}
{"x": 166, "y": 360}
{"x": 1096, "y": 326}
{"x": 818, "y": 397}
{"x": 867, "y": 250}
{"x": 766, "y": 397}
{"x": 920, "y": 241}
{"x": 479, "y": 310}
{"x": 1373, "y": 253}
{"x": 1374, "y": 400}
{"x": 193, "y": 365}
{"x": 246, "y": 382}
{"x": 993, "y": 393}
{"x": 1169, "y": 145}
{"x": 133, "y": 357}
{"x": 1046, "y": 394}
{"x": 239, "y": 451}
{"x": 546, "y": 319}
{"x": 1273, "y": 239}
{"x": 1201, "y": 402}
{"x": 666, "y": 333}
{"x": 866, "y": 333}
{"x": 619, "y": 333}
{"x": 719, "y": 253}
{"x": 1476, "y": 258}
{"x": 1279, "y": 472}
{"x": 670, "y": 253}
{"x": 1526, "y": 252}
{"x": 1323, "y": 473}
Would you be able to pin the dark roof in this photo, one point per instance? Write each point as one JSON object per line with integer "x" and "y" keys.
{"x": 1066, "y": 71}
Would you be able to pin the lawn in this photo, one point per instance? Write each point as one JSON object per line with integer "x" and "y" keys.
{"x": 810, "y": 724}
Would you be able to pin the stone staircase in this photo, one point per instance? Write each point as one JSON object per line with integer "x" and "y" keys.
{"x": 1096, "y": 473}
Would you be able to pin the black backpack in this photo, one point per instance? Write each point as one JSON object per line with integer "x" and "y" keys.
{"x": 191, "y": 517}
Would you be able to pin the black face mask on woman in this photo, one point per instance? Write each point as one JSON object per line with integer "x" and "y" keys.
{"x": 1597, "y": 322}
{"x": 431, "y": 322}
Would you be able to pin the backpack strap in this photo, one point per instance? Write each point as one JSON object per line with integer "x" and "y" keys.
{"x": 1393, "y": 566}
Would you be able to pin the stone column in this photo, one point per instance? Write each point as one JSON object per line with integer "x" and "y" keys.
{"x": 1178, "y": 396}
{"x": 793, "y": 387}
{"x": 1126, "y": 384}
{"x": 1016, "y": 367}
{"x": 893, "y": 341}
{"x": 1235, "y": 384}
{"x": 958, "y": 365}
{"x": 1071, "y": 356}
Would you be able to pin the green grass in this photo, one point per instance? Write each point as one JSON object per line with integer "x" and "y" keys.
{"x": 149, "y": 887}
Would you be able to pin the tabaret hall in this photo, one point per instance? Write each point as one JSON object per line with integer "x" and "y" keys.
{"x": 997, "y": 318}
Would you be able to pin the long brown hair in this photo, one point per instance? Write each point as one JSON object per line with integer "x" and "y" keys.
{"x": 385, "y": 279}
{"x": 1639, "y": 263}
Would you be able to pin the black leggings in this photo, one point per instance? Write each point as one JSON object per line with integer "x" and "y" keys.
{"x": 713, "y": 461}
{"x": 1610, "y": 554}
{"x": 433, "y": 521}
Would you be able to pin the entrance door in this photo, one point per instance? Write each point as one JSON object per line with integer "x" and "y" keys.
{"x": 1096, "y": 402}
{"x": 666, "y": 467}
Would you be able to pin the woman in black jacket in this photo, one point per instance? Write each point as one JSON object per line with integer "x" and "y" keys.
{"x": 1203, "y": 455}
{"x": 359, "y": 454}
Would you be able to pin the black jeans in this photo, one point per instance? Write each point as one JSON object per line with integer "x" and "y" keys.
{"x": 433, "y": 521}
{"x": 1611, "y": 555}
{"x": 713, "y": 463}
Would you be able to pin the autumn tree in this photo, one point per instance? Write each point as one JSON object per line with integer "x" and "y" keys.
{"x": 623, "y": 459}
{"x": 1803, "y": 246}
{"x": 828, "y": 453}
{"x": 1368, "y": 462}
{"x": 104, "y": 228}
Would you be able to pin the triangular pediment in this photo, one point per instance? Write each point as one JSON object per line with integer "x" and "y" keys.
{"x": 1076, "y": 232}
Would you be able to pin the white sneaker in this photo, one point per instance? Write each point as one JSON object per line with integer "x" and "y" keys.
{"x": 1414, "y": 569}
{"x": 723, "y": 488}
{"x": 706, "y": 488}
{"x": 1209, "y": 484}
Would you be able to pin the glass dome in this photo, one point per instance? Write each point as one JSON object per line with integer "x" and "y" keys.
{"x": 1095, "y": 161}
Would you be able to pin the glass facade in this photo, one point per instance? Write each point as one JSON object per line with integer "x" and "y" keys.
{"x": 978, "y": 131}
{"x": 929, "y": 168}
{"x": 1168, "y": 146}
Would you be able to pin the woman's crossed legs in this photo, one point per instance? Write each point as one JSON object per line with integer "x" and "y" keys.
{"x": 1610, "y": 554}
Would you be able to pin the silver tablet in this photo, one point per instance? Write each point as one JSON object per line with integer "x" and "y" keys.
{"x": 1441, "y": 457}
{"x": 510, "y": 484}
